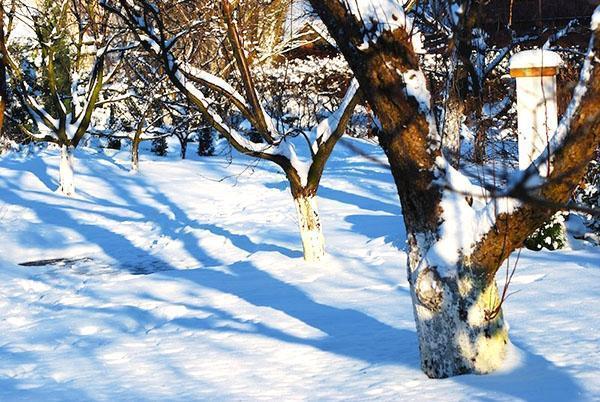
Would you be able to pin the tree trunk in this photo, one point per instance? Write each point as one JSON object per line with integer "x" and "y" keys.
{"x": 183, "y": 149}
{"x": 459, "y": 322}
{"x": 3, "y": 85}
{"x": 135, "y": 155}
{"x": 309, "y": 222}
{"x": 458, "y": 316}
{"x": 67, "y": 177}
{"x": 453, "y": 119}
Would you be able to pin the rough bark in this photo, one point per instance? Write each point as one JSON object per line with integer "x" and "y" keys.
{"x": 459, "y": 322}
{"x": 454, "y": 118}
{"x": 309, "y": 223}
{"x": 3, "y": 85}
{"x": 67, "y": 177}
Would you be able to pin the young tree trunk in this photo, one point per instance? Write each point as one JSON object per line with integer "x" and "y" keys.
{"x": 454, "y": 118}
{"x": 67, "y": 177}
{"x": 311, "y": 233}
{"x": 183, "y": 149}
{"x": 3, "y": 85}
{"x": 459, "y": 324}
{"x": 135, "y": 155}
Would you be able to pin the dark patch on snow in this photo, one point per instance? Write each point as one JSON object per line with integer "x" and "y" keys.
{"x": 89, "y": 266}
{"x": 55, "y": 261}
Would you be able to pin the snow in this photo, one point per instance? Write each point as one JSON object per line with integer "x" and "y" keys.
{"x": 468, "y": 213}
{"x": 184, "y": 287}
{"x": 535, "y": 58}
{"x": 595, "y": 24}
{"x": 327, "y": 126}
{"x": 379, "y": 16}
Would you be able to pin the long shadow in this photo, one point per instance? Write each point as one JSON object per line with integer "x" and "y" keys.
{"x": 38, "y": 167}
{"x": 26, "y": 389}
{"x": 390, "y": 227}
{"x": 181, "y": 220}
{"x": 347, "y": 332}
{"x": 244, "y": 242}
{"x": 535, "y": 379}
{"x": 344, "y": 197}
{"x": 112, "y": 244}
{"x": 356, "y": 335}
{"x": 170, "y": 226}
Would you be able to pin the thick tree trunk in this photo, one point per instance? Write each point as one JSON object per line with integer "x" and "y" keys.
{"x": 458, "y": 317}
{"x": 311, "y": 233}
{"x": 135, "y": 155}
{"x": 67, "y": 176}
{"x": 459, "y": 322}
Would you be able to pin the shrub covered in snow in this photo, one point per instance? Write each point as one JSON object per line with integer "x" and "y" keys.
{"x": 308, "y": 89}
{"x": 551, "y": 235}
{"x": 588, "y": 193}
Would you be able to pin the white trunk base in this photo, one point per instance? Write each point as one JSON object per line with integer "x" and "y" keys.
{"x": 67, "y": 175}
{"x": 313, "y": 242}
{"x": 456, "y": 330}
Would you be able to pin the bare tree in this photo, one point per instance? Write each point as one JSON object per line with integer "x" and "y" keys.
{"x": 4, "y": 33}
{"x": 459, "y": 234}
{"x": 3, "y": 85}
{"x": 137, "y": 98}
{"x": 73, "y": 39}
{"x": 274, "y": 143}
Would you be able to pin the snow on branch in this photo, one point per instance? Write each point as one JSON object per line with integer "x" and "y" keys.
{"x": 378, "y": 16}
{"x": 331, "y": 125}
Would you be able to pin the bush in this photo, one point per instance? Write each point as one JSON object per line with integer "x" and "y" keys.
{"x": 159, "y": 146}
{"x": 588, "y": 193}
{"x": 550, "y": 235}
{"x": 206, "y": 146}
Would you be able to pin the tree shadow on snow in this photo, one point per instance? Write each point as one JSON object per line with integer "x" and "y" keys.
{"x": 345, "y": 197}
{"x": 37, "y": 167}
{"x": 390, "y": 227}
{"x": 534, "y": 379}
{"x": 23, "y": 386}
{"x": 244, "y": 242}
{"x": 347, "y": 332}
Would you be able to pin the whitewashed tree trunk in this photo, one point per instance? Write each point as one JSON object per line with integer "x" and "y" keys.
{"x": 311, "y": 233}
{"x": 67, "y": 176}
{"x": 135, "y": 155}
{"x": 458, "y": 327}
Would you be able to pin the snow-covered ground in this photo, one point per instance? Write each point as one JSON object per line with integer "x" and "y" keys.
{"x": 182, "y": 286}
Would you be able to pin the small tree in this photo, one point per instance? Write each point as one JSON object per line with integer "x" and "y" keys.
{"x": 72, "y": 39}
{"x": 275, "y": 142}
{"x": 137, "y": 108}
{"x": 185, "y": 122}
{"x": 205, "y": 139}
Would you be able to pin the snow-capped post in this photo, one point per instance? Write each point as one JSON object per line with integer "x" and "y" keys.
{"x": 535, "y": 71}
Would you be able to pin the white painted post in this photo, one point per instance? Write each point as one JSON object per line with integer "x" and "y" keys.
{"x": 535, "y": 71}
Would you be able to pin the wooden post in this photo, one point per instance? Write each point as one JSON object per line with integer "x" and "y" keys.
{"x": 535, "y": 71}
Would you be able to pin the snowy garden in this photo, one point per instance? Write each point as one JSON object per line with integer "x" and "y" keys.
{"x": 299, "y": 200}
